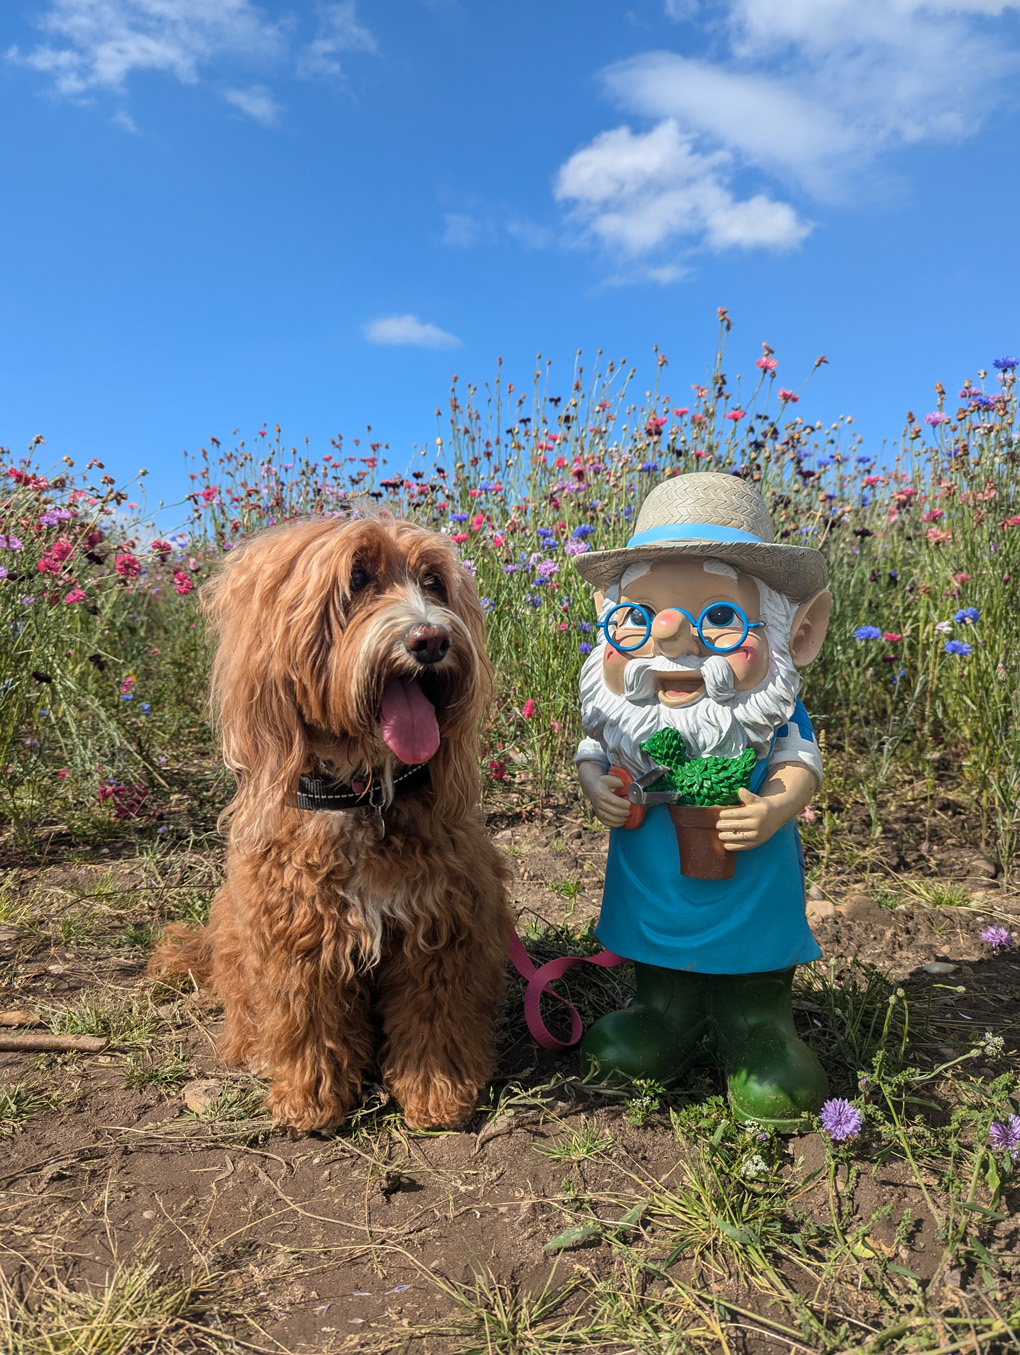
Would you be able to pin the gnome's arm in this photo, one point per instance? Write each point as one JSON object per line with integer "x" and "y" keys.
{"x": 784, "y": 795}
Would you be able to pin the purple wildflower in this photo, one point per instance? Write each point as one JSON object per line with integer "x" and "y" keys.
{"x": 1005, "y": 1136}
{"x": 867, "y": 633}
{"x": 584, "y": 649}
{"x": 577, "y": 547}
{"x": 933, "y": 420}
{"x": 840, "y": 1120}
{"x": 998, "y": 938}
{"x": 547, "y": 568}
{"x": 957, "y": 647}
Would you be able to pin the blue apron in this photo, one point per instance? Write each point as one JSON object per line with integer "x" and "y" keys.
{"x": 748, "y": 925}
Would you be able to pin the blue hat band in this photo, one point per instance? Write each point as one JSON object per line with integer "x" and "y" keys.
{"x": 694, "y": 531}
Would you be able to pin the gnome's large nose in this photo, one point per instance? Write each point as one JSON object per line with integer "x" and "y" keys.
{"x": 674, "y": 635}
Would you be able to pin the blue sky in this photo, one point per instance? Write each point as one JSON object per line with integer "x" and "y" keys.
{"x": 221, "y": 212}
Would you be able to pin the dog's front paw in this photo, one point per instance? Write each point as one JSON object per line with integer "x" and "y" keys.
{"x": 439, "y": 1105}
{"x": 299, "y": 1109}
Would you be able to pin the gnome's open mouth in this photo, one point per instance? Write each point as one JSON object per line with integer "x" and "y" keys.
{"x": 407, "y": 719}
{"x": 679, "y": 689}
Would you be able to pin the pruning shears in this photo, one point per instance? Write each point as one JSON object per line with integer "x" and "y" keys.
{"x": 635, "y": 789}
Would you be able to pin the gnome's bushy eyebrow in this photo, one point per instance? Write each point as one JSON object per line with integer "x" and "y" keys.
{"x": 719, "y": 567}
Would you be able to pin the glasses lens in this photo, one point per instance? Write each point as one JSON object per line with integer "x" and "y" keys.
{"x": 628, "y": 627}
{"x": 722, "y": 627}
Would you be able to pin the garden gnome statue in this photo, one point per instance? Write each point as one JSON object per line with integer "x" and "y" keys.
{"x": 704, "y": 621}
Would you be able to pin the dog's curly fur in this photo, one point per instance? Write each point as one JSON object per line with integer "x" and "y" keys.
{"x": 335, "y": 950}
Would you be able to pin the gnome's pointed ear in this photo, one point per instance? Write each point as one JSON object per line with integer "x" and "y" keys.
{"x": 600, "y": 599}
{"x": 809, "y": 626}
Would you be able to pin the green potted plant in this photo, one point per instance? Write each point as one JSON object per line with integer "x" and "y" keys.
{"x": 703, "y": 786}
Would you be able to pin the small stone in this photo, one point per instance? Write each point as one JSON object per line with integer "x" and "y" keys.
{"x": 506, "y": 837}
{"x": 953, "y": 1279}
{"x": 815, "y": 893}
{"x": 56, "y": 968}
{"x": 148, "y": 1213}
{"x": 940, "y": 967}
{"x": 862, "y": 907}
{"x": 818, "y": 910}
{"x": 199, "y": 1095}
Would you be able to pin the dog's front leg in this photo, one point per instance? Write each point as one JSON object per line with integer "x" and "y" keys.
{"x": 315, "y": 1040}
{"x": 438, "y": 1009}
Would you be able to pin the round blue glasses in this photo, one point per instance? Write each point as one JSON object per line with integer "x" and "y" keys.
{"x": 722, "y": 626}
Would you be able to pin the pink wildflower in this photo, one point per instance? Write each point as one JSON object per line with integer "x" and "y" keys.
{"x": 182, "y": 582}
{"x": 789, "y": 397}
{"x": 892, "y": 636}
{"x": 528, "y": 709}
{"x": 498, "y": 770}
{"x": 128, "y": 566}
{"x": 75, "y": 595}
{"x": 735, "y": 414}
{"x": 767, "y": 364}
{"x": 210, "y": 493}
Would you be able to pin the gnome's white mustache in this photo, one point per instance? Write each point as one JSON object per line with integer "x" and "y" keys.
{"x": 639, "y": 679}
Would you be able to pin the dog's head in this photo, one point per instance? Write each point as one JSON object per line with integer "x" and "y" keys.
{"x": 356, "y": 645}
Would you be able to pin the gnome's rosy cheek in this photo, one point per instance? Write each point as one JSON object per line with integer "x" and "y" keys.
{"x": 613, "y": 666}
{"x": 750, "y": 663}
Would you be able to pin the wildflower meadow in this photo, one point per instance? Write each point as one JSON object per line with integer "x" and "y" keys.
{"x": 147, "y": 1203}
{"x": 104, "y": 667}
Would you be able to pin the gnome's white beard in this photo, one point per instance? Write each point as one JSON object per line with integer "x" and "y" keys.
{"x": 721, "y": 721}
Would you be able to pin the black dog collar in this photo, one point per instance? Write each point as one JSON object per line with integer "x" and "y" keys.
{"x": 321, "y": 792}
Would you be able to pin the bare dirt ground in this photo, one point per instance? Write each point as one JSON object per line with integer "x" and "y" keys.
{"x": 145, "y": 1167}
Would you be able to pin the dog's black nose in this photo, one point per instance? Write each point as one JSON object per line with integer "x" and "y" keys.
{"x": 427, "y": 644}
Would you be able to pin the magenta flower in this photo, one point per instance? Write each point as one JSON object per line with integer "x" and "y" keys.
{"x": 933, "y": 420}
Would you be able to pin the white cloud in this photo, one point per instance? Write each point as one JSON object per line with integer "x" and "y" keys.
{"x": 339, "y": 31}
{"x": 256, "y": 102}
{"x": 462, "y": 231}
{"x": 813, "y": 94}
{"x": 97, "y": 44}
{"x": 408, "y": 329}
{"x": 639, "y": 192}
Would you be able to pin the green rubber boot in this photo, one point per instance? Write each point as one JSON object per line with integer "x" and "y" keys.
{"x": 656, "y": 1036}
{"x": 771, "y": 1074}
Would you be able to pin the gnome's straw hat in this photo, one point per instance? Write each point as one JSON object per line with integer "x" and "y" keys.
{"x": 706, "y": 515}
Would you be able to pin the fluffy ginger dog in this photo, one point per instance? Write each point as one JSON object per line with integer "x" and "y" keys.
{"x": 363, "y": 917}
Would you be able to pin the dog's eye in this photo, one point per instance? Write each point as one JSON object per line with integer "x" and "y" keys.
{"x": 431, "y": 583}
{"x": 360, "y": 578}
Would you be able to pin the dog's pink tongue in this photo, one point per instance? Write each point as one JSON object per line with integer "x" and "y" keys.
{"x": 408, "y": 722}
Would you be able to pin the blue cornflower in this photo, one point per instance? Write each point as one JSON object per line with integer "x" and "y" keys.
{"x": 650, "y": 466}
{"x": 1005, "y": 364}
{"x": 579, "y": 533}
{"x": 840, "y": 1120}
{"x": 867, "y": 633}
{"x": 488, "y": 605}
{"x": 981, "y": 402}
{"x": 824, "y": 461}
{"x": 957, "y": 647}
{"x": 146, "y": 708}
{"x": 546, "y": 532}
{"x": 126, "y": 696}
{"x": 966, "y": 616}
{"x": 533, "y": 599}
{"x": 1005, "y": 1135}
{"x": 459, "y": 517}
{"x": 584, "y": 649}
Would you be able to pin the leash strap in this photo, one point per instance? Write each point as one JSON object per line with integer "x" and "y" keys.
{"x": 538, "y": 980}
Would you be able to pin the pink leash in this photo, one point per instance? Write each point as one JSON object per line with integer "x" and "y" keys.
{"x": 538, "y": 981}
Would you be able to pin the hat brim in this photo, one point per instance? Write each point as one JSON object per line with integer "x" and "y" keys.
{"x": 796, "y": 571}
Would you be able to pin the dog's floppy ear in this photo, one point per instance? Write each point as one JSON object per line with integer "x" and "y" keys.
{"x": 263, "y": 738}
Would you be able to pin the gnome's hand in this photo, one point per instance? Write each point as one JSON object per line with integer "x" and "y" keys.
{"x": 750, "y": 823}
{"x": 788, "y": 789}
{"x": 609, "y": 806}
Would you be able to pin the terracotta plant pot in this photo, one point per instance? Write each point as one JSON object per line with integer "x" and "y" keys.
{"x": 702, "y": 855}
